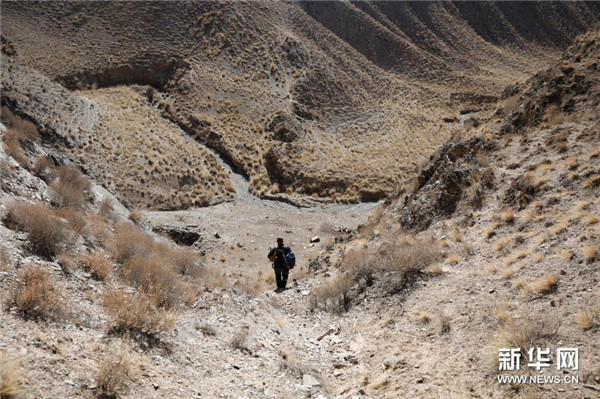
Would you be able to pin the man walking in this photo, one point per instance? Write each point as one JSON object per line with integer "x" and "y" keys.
{"x": 277, "y": 255}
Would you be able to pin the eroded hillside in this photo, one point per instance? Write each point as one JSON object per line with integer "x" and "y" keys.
{"x": 332, "y": 99}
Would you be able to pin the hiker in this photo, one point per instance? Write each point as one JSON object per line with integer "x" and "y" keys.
{"x": 279, "y": 256}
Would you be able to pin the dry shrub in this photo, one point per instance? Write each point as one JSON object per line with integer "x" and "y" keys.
{"x": 240, "y": 340}
{"x": 47, "y": 234}
{"x": 453, "y": 258}
{"x": 11, "y": 380}
{"x": 5, "y": 260}
{"x": 334, "y": 295}
{"x": 187, "y": 262}
{"x": 435, "y": 269}
{"x": 291, "y": 363}
{"x": 67, "y": 263}
{"x": 156, "y": 277}
{"x": 423, "y": 317}
{"x": 105, "y": 207}
{"x": 13, "y": 148}
{"x": 25, "y": 129}
{"x": 112, "y": 377}
{"x": 136, "y": 216}
{"x": 38, "y": 295}
{"x": 526, "y": 332}
{"x": 358, "y": 263}
{"x": 444, "y": 323}
{"x": 545, "y": 284}
{"x": 77, "y": 220}
{"x": 71, "y": 187}
{"x": 152, "y": 266}
{"x": 42, "y": 165}
{"x": 128, "y": 241}
{"x": 98, "y": 228}
{"x": 98, "y": 265}
{"x": 407, "y": 258}
{"x": 588, "y": 319}
{"x": 19, "y": 132}
{"x": 206, "y": 329}
{"x": 589, "y": 253}
{"x": 508, "y": 216}
{"x": 136, "y": 314}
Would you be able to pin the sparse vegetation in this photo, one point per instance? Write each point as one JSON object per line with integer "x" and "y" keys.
{"x": 38, "y": 295}
{"x": 334, "y": 295}
{"x": 589, "y": 252}
{"x": 545, "y": 284}
{"x": 111, "y": 377}
{"x": 136, "y": 314}
{"x": 98, "y": 265}
{"x": 423, "y": 317}
{"x": 11, "y": 379}
{"x": 47, "y": 234}
{"x": 525, "y": 332}
{"x": 71, "y": 187}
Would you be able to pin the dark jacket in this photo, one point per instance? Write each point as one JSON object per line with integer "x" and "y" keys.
{"x": 280, "y": 262}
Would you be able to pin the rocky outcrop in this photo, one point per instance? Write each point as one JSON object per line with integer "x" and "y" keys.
{"x": 442, "y": 184}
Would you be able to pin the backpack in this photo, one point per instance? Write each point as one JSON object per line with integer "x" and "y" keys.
{"x": 290, "y": 260}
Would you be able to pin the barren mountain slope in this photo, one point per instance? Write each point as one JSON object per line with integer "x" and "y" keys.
{"x": 495, "y": 245}
{"x": 120, "y": 140}
{"x": 322, "y": 98}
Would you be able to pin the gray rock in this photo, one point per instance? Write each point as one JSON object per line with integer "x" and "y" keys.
{"x": 310, "y": 381}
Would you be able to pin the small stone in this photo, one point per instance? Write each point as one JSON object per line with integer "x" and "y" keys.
{"x": 155, "y": 386}
{"x": 492, "y": 291}
{"x": 217, "y": 235}
{"x": 420, "y": 380}
{"x": 310, "y": 381}
{"x": 315, "y": 239}
{"x": 302, "y": 388}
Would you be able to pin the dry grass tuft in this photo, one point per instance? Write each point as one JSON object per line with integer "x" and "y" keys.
{"x": 566, "y": 254}
{"x": 559, "y": 228}
{"x": 444, "y": 323}
{"x": 11, "y": 379}
{"x": 136, "y": 216}
{"x": 508, "y": 216}
{"x": 128, "y": 241}
{"x": 453, "y": 259}
{"x": 591, "y": 181}
{"x": 423, "y": 317}
{"x": 507, "y": 273}
{"x": 334, "y": 295}
{"x": 111, "y": 378}
{"x": 545, "y": 284}
{"x": 526, "y": 332}
{"x": 136, "y": 314}
{"x": 38, "y": 295}
{"x": 588, "y": 319}
{"x": 499, "y": 244}
{"x": 435, "y": 269}
{"x": 98, "y": 265}
{"x": 206, "y": 329}
{"x": 589, "y": 253}
{"x": 71, "y": 187}
{"x": 157, "y": 279}
{"x": 240, "y": 340}
{"x": 67, "y": 263}
{"x": 47, "y": 234}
